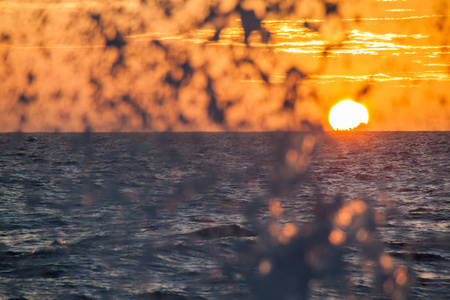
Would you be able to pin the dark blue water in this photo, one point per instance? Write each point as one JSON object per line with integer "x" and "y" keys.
{"x": 225, "y": 215}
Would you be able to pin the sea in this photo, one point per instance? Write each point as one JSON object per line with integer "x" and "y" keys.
{"x": 209, "y": 215}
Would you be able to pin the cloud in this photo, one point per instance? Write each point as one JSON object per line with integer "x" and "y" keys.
{"x": 147, "y": 66}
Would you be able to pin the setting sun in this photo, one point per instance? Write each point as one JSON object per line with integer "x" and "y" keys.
{"x": 347, "y": 115}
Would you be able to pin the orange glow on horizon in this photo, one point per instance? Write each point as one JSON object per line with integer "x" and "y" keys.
{"x": 77, "y": 61}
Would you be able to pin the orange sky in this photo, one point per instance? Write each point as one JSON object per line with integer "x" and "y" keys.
{"x": 131, "y": 66}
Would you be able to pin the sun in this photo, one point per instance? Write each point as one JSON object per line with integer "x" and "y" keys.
{"x": 347, "y": 115}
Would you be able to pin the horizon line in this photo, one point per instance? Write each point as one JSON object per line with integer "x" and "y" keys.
{"x": 213, "y": 131}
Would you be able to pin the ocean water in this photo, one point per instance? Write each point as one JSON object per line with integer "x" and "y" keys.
{"x": 225, "y": 215}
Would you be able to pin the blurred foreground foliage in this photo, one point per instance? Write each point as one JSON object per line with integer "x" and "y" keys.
{"x": 198, "y": 65}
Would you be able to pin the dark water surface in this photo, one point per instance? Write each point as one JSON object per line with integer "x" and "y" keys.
{"x": 185, "y": 215}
